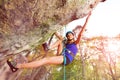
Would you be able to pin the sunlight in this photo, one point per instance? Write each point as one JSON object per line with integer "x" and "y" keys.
{"x": 105, "y": 23}
{"x": 112, "y": 51}
{"x": 113, "y": 46}
{"x": 104, "y": 20}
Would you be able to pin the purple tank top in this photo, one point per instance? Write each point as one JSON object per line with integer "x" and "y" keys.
{"x": 73, "y": 48}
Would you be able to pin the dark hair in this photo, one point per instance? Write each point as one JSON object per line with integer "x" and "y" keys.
{"x": 69, "y": 32}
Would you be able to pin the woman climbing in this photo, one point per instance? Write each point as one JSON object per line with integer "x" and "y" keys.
{"x": 70, "y": 51}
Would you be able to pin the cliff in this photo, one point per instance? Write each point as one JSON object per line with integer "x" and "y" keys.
{"x": 26, "y": 24}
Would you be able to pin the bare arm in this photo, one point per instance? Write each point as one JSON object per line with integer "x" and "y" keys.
{"x": 58, "y": 36}
{"x": 83, "y": 28}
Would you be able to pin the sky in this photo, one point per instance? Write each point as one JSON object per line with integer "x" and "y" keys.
{"x": 105, "y": 20}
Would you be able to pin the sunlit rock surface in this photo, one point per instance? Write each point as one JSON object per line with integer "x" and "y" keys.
{"x": 26, "y": 24}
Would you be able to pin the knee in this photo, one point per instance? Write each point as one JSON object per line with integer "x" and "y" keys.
{"x": 60, "y": 41}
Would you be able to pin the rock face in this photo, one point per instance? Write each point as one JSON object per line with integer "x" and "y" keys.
{"x": 26, "y": 24}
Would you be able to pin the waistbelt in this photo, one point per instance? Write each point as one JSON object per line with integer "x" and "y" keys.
{"x": 70, "y": 53}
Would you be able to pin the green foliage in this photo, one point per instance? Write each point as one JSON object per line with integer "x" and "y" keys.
{"x": 96, "y": 62}
{"x": 73, "y": 71}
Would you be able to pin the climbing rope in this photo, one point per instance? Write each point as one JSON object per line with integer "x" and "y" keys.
{"x": 64, "y": 60}
{"x": 64, "y": 63}
{"x": 64, "y": 67}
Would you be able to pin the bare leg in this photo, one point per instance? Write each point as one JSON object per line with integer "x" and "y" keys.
{"x": 50, "y": 60}
{"x": 59, "y": 46}
{"x": 54, "y": 45}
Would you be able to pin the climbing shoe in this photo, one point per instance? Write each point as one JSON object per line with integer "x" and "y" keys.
{"x": 12, "y": 65}
{"x": 45, "y": 46}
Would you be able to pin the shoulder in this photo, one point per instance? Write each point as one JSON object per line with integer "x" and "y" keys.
{"x": 77, "y": 45}
{"x": 76, "y": 42}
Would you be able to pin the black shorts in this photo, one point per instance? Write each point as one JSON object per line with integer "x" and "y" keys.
{"x": 67, "y": 61}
